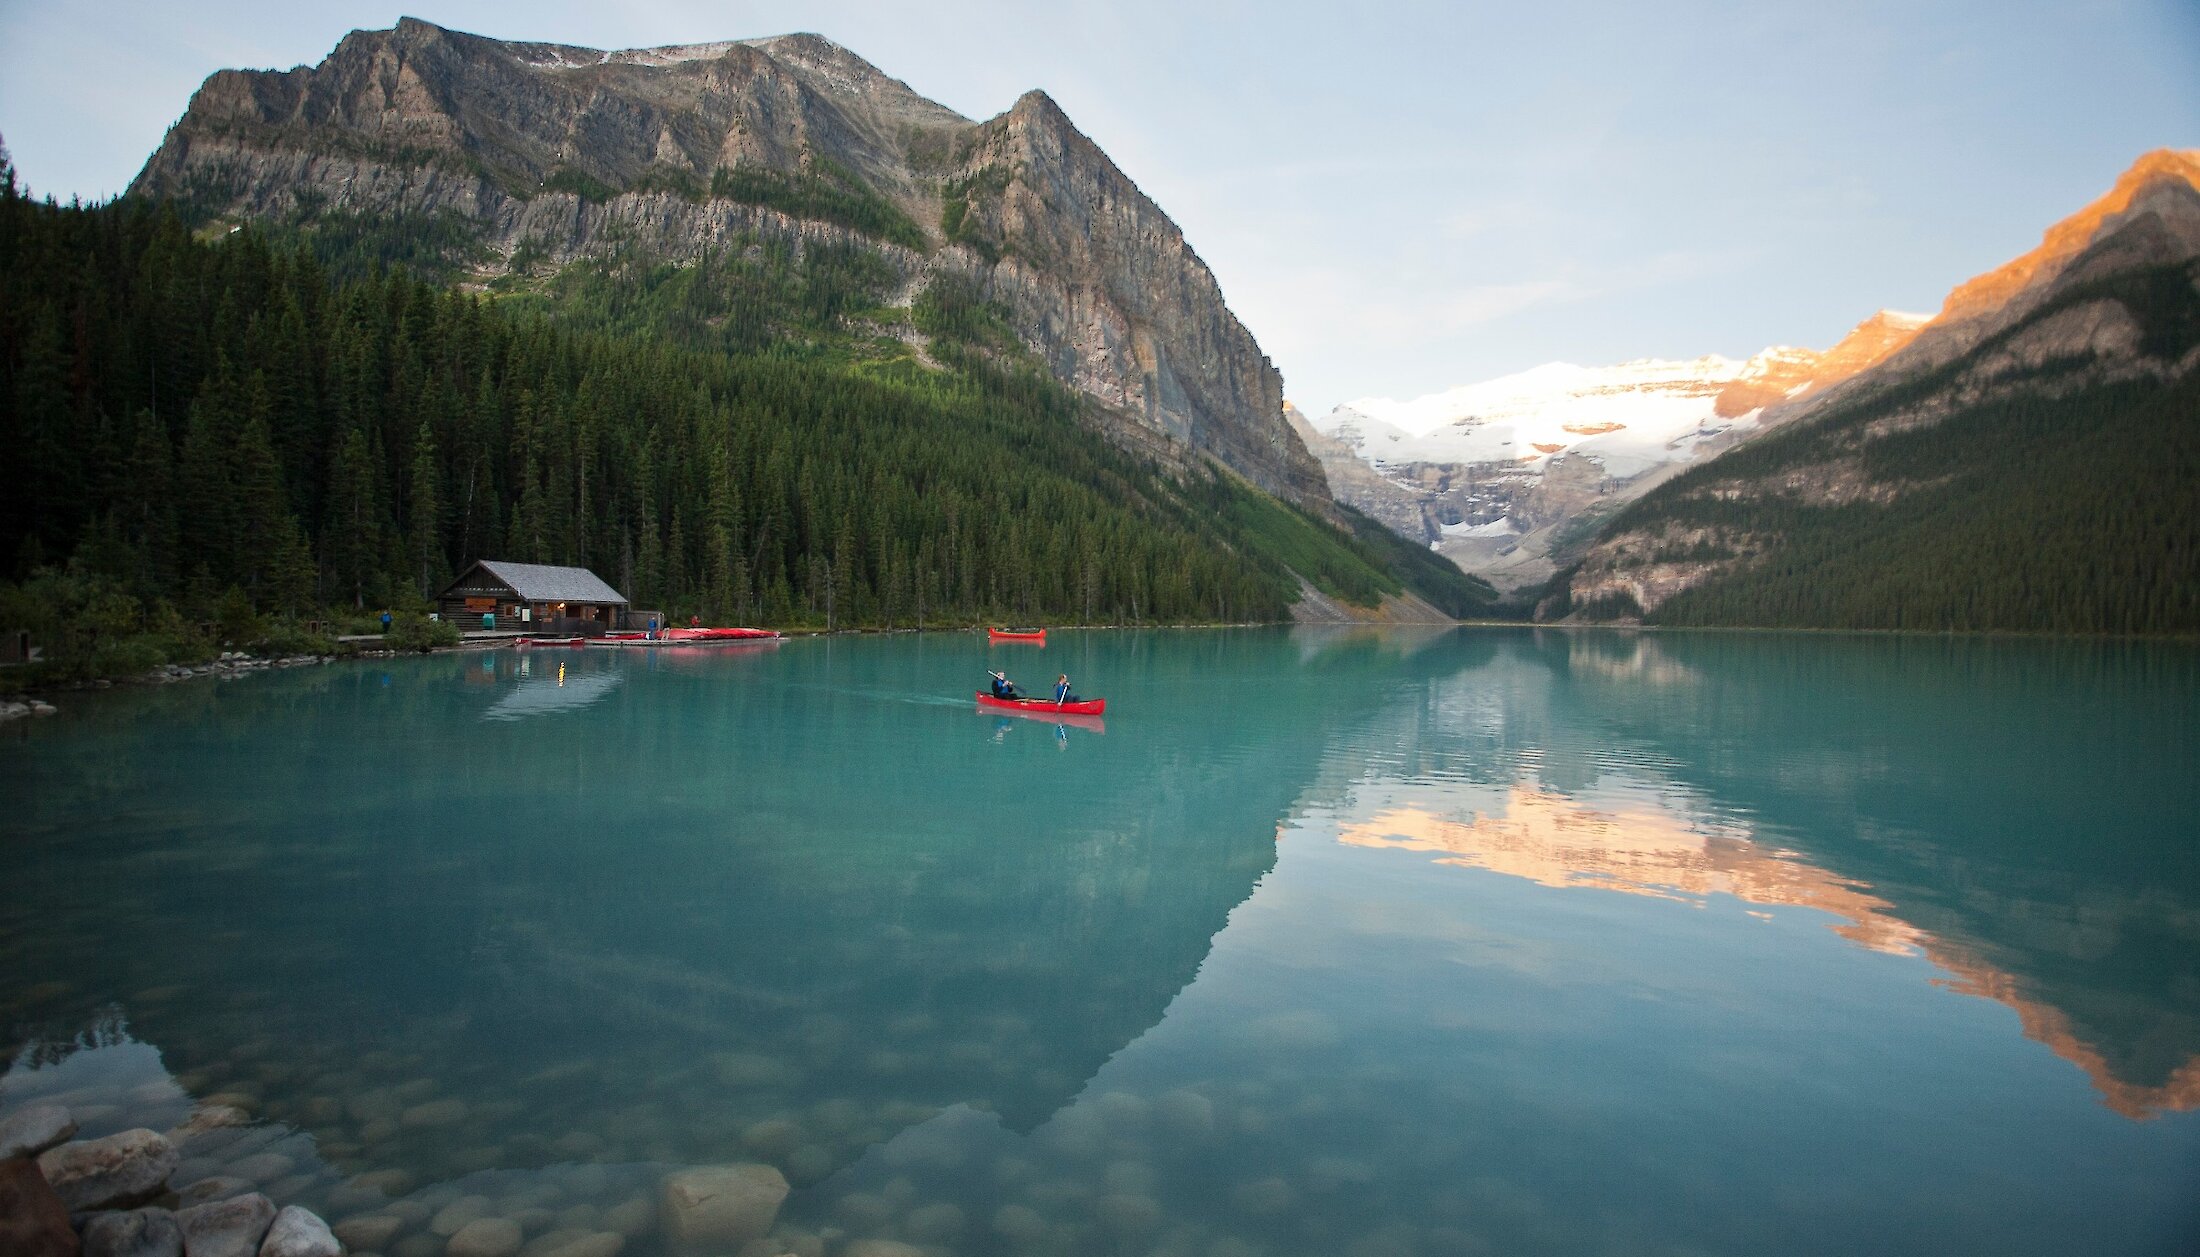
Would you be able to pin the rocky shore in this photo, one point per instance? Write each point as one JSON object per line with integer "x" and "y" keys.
{"x": 114, "y": 1197}
{"x": 231, "y": 663}
{"x": 189, "y": 1193}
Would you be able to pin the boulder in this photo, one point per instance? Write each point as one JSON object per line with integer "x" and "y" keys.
{"x": 298, "y": 1232}
{"x": 35, "y": 1129}
{"x": 112, "y": 1173}
{"x": 138, "y": 1233}
{"x": 33, "y": 1221}
{"x": 227, "y": 1228}
{"x": 718, "y": 1208}
{"x": 485, "y": 1237}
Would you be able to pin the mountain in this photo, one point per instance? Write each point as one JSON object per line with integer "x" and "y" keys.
{"x": 1502, "y": 475}
{"x": 2028, "y": 460}
{"x": 521, "y": 158}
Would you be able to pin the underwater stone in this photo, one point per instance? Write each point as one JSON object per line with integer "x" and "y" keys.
{"x": 1263, "y": 1195}
{"x": 485, "y": 1237}
{"x": 716, "y": 1207}
{"x": 262, "y": 1167}
{"x": 630, "y": 1218}
{"x": 213, "y": 1187}
{"x": 1128, "y": 1214}
{"x": 371, "y": 1231}
{"x": 454, "y": 1216}
{"x": 1019, "y": 1224}
{"x": 227, "y": 1228}
{"x": 936, "y": 1222}
{"x": 434, "y": 1113}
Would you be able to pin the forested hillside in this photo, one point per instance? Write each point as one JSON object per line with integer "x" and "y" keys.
{"x": 2061, "y": 502}
{"x": 193, "y": 417}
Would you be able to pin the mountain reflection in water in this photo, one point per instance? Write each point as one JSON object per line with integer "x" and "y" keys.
{"x": 1637, "y": 820}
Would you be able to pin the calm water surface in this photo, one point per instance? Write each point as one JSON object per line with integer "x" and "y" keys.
{"x": 1323, "y": 942}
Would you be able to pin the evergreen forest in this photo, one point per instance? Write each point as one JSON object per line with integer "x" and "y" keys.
{"x": 309, "y": 419}
{"x": 2066, "y": 505}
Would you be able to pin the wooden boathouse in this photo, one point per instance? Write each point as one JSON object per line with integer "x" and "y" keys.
{"x": 532, "y": 596}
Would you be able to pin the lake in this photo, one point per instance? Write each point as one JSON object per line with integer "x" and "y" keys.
{"x": 1374, "y": 943}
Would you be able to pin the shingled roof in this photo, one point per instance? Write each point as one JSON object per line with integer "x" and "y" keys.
{"x": 539, "y": 582}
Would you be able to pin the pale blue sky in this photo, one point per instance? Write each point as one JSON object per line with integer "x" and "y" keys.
{"x": 1397, "y": 198}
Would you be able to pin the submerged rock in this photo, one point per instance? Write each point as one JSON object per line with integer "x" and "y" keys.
{"x": 298, "y": 1232}
{"x": 138, "y": 1233}
{"x": 486, "y": 1237}
{"x": 35, "y": 1129}
{"x": 454, "y": 1216}
{"x": 370, "y": 1231}
{"x": 112, "y": 1173}
{"x": 227, "y": 1228}
{"x": 719, "y": 1207}
{"x": 33, "y": 1221}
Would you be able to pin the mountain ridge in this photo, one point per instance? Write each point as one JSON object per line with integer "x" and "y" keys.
{"x": 557, "y": 153}
{"x": 1500, "y": 475}
{"x": 2029, "y": 464}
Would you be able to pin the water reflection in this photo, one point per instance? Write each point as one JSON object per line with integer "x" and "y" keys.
{"x": 1189, "y": 991}
{"x": 546, "y": 690}
{"x": 1660, "y": 801}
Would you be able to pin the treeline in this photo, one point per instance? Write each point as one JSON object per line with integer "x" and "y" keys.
{"x": 2066, "y": 509}
{"x": 198, "y": 418}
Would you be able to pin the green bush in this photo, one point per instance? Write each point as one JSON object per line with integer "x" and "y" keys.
{"x": 288, "y": 637}
{"x": 414, "y": 632}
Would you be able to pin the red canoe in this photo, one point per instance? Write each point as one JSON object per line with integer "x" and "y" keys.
{"x": 715, "y": 634}
{"x": 1045, "y": 706}
{"x": 1016, "y": 635}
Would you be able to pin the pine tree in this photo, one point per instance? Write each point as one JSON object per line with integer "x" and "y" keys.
{"x": 424, "y": 534}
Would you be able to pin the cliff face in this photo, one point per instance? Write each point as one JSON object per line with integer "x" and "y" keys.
{"x": 2110, "y": 300}
{"x": 574, "y": 152}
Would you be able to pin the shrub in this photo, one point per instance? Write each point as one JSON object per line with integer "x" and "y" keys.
{"x": 288, "y": 637}
{"x": 411, "y": 631}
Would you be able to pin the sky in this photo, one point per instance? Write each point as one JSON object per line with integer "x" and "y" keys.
{"x": 1397, "y": 198}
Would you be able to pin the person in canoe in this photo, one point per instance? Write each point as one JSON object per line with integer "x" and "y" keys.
{"x": 1002, "y": 686}
{"x": 1061, "y": 690}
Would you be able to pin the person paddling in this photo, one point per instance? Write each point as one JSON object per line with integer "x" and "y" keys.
{"x": 1061, "y": 690}
{"x": 1002, "y": 686}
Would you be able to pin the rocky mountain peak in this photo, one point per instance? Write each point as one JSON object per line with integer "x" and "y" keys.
{"x": 2161, "y": 178}
{"x": 582, "y": 152}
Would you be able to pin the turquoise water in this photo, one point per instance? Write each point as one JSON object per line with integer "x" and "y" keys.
{"x": 1336, "y": 942}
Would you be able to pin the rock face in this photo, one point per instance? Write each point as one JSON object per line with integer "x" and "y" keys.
{"x": 718, "y": 1208}
{"x": 35, "y": 1129}
{"x": 2079, "y": 313}
{"x": 578, "y": 152}
{"x": 112, "y": 1173}
{"x": 33, "y": 1221}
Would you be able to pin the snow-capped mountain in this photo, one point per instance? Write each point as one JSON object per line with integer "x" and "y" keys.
{"x": 1496, "y": 470}
{"x": 1629, "y": 417}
